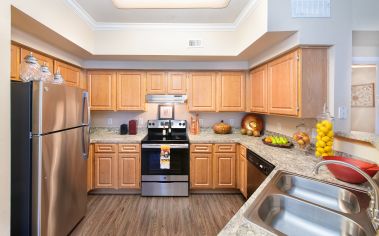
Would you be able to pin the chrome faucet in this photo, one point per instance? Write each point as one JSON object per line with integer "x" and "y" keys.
{"x": 373, "y": 192}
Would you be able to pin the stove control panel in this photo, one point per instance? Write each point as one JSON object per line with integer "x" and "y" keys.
{"x": 175, "y": 124}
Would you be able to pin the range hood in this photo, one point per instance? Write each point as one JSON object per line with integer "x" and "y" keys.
{"x": 166, "y": 98}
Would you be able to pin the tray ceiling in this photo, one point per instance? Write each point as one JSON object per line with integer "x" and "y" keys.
{"x": 104, "y": 11}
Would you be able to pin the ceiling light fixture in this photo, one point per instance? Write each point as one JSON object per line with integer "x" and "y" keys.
{"x": 178, "y": 4}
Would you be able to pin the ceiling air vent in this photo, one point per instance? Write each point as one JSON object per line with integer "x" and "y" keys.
{"x": 195, "y": 43}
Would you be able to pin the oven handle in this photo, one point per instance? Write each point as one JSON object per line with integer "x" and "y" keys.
{"x": 172, "y": 146}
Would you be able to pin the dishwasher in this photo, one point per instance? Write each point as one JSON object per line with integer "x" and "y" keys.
{"x": 257, "y": 171}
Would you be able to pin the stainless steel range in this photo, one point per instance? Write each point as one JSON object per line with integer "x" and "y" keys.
{"x": 165, "y": 159}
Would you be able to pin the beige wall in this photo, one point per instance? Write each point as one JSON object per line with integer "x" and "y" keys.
{"x": 5, "y": 25}
{"x": 100, "y": 118}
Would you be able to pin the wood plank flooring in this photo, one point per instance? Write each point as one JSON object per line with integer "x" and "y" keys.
{"x": 199, "y": 214}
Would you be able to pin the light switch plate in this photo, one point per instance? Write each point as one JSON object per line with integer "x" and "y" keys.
{"x": 140, "y": 122}
{"x": 231, "y": 122}
{"x": 201, "y": 121}
{"x": 109, "y": 121}
{"x": 342, "y": 113}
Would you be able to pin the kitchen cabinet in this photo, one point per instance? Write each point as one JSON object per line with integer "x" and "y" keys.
{"x": 129, "y": 166}
{"x": 102, "y": 90}
{"x": 258, "y": 88}
{"x": 201, "y": 171}
{"x": 224, "y": 166}
{"x": 15, "y": 62}
{"x": 231, "y": 91}
{"x": 90, "y": 167}
{"x": 70, "y": 74}
{"x": 131, "y": 90}
{"x": 202, "y": 91}
{"x": 40, "y": 57}
{"x": 176, "y": 82}
{"x": 105, "y": 166}
{"x": 242, "y": 171}
{"x": 156, "y": 82}
{"x": 296, "y": 84}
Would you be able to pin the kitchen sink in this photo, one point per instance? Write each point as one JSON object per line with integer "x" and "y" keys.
{"x": 292, "y": 204}
{"x": 323, "y": 194}
{"x": 294, "y": 217}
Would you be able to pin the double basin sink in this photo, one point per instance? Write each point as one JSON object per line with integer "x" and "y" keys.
{"x": 297, "y": 205}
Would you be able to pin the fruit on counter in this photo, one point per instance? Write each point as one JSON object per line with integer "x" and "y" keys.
{"x": 325, "y": 136}
{"x": 256, "y": 133}
{"x": 249, "y": 132}
{"x": 243, "y": 131}
{"x": 276, "y": 140}
{"x": 301, "y": 138}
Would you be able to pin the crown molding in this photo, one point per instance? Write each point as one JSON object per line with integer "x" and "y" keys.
{"x": 95, "y": 25}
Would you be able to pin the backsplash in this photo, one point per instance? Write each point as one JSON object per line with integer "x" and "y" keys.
{"x": 207, "y": 119}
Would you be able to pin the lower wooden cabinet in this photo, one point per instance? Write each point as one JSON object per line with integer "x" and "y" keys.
{"x": 242, "y": 171}
{"x": 201, "y": 171}
{"x": 90, "y": 167}
{"x": 224, "y": 170}
{"x": 116, "y": 166}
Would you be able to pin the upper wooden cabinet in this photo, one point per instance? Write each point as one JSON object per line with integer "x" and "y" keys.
{"x": 15, "y": 62}
{"x": 70, "y": 74}
{"x": 176, "y": 82}
{"x": 296, "y": 84}
{"x": 102, "y": 90}
{"x": 41, "y": 58}
{"x": 156, "y": 82}
{"x": 258, "y": 88}
{"x": 231, "y": 91}
{"x": 131, "y": 87}
{"x": 202, "y": 91}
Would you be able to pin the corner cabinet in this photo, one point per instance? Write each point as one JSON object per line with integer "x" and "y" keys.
{"x": 131, "y": 90}
{"x": 15, "y": 62}
{"x": 296, "y": 84}
{"x": 102, "y": 90}
{"x": 231, "y": 91}
{"x": 202, "y": 91}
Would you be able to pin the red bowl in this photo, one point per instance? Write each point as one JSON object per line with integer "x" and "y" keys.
{"x": 349, "y": 175}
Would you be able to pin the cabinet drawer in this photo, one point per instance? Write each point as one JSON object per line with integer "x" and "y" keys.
{"x": 128, "y": 148}
{"x": 243, "y": 150}
{"x": 225, "y": 148}
{"x": 201, "y": 148}
{"x": 108, "y": 148}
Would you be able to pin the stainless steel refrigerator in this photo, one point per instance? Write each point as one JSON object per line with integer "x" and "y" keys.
{"x": 50, "y": 141}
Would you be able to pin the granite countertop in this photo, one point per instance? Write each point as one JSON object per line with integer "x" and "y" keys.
{"x": 112, "y": 135}
{"x": 360, "y": 136}
{"x": 291, "y": 160}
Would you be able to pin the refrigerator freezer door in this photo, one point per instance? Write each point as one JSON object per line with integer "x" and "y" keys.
{"x": 57, "y": 107}
{"x": 62, "y": 199}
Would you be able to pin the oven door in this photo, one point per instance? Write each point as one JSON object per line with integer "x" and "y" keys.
{"x": 179, "y": 159}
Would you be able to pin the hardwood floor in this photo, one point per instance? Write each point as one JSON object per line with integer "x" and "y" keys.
{"x": 199, "y": 214}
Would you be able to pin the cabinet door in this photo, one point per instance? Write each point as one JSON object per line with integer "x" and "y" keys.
{"x": 243, "y": 175}
{"x": 102, "y": 90}
{"x": 90, "y": 168}
{"x": 231, "y": 91}
{"x": 129, "y": 170}
{"x": 258, "y": 83}
{"x": 176, "y": 82}
{"x": 283, "y": 85}
{"x": 105, "y": 170}
{"x": 131, "y": 89}
{"x": 202, "y": 91}
{"x": 15, "y": 62}
{"x": 201, "y": 171}
{"x": 224, "y": 170}
{"x": 156, "y": 82}
{"x": 41, "y": 58}
{"x": 70, "y": 74}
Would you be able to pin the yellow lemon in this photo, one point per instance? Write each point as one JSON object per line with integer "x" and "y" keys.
{"x": 321, "y": 143}
{"x": 321, "y": 134}
{"x": 325, "y": 139}
{"x": 324, "y": 154}
{"x": 317, "y": 154}
{"x": 324, "y": 130}
{"x": 327, "y": 124}
{"x": 318, "y": 137}
{"x": 330, "y": 134}
{"x": 328, "y": 149}
{"x": 330, "y": 143}
{"x": 318, "y": 125}
{"x": 320, "y": 150}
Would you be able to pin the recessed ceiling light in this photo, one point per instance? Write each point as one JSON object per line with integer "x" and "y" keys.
{"x": 187, "y": 4}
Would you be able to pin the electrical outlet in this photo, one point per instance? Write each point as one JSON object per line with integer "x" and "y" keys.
{"x": 231, "y": 122}
{"x": 109, "y": 121}
{"x": 140, "y": 122}
{"x": 342, "y": 113}
{"x": 279, "y": 125}
{"x": 201, "y": 121}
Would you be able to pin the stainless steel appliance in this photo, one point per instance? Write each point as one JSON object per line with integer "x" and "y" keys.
{"x": 257, "y": 171}
{"x": 50, "y": 138}
{"x": 158, "y": 180}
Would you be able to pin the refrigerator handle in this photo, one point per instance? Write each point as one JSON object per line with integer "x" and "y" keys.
{"x": 86, "y": 111}
{"x": 85, "y": 142}
{"x": 86, "y": 130}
